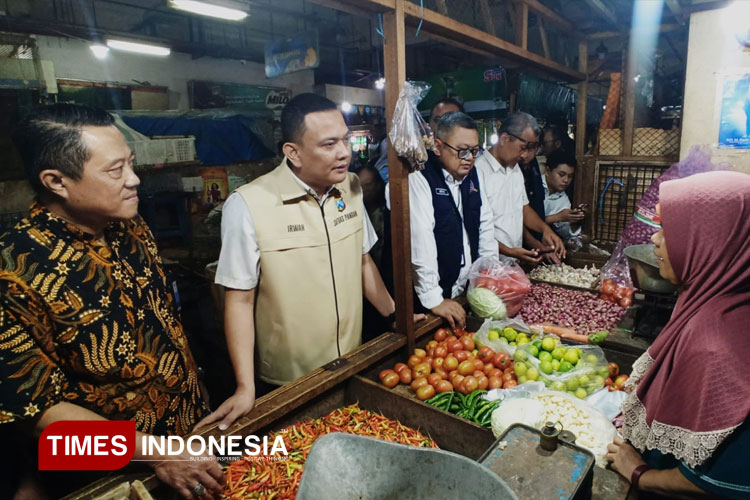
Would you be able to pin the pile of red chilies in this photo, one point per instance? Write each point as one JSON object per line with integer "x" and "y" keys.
{"x": 256, "y": 478}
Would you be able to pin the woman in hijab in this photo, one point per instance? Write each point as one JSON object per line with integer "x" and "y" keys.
{"x": 686, "y": 425}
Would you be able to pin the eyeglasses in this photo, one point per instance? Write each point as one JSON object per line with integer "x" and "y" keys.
{"x": 527, "y": 145}
{"x": 464, "y": 153}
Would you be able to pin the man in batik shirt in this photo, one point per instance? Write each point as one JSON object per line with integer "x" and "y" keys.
{"x": 88, "y": 327}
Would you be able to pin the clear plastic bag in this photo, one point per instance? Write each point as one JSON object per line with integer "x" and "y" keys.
{"x": 507, "y": 281}
{"x": 410, "y": 135}
{"x": 501, "y": 343}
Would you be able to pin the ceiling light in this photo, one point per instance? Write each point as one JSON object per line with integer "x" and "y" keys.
{"x": 100, "y": 51}
{"x": 232, "y": 11}
{"x": 380, "y": 83}
{"x": 346, "y": 106}
{"x": 140, "y": 48}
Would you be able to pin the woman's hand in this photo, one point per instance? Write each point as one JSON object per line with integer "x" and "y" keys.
{"x": 236, "y": 406}
{"x": 623, "y": 458}
{"x": 192, "y": 475}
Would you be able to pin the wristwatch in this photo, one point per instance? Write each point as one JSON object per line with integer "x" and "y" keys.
{"x": 635, "y": 477}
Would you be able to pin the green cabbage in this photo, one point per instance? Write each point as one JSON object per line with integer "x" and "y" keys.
{"x": 486, "y": 304}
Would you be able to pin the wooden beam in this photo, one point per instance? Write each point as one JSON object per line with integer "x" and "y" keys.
{"x": 522, "y": 25}
{"x": 543, "y": 36}
{"x": 552, "y": 17}
{"x": 362, "y": 8}
{"x": 664, "y": 28}
{"x": 394, "y": 61}
{"x": 602, "y": 9}
{"x": 628, "y": 104}
{"x": 487, "y": 15}
{"x": 452, "y": 30}
{"x": 674, "y": 7}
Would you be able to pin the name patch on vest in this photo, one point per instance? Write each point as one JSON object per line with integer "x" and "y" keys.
{"x": 442, "y": 192}
{"x": 295, "y": 228}
{"x": 342, "y": 218}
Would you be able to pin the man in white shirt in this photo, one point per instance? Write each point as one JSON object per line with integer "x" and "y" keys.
{"x": 559, "y": 174}
{"x": 451, "y": 221}
{"x": 503, "y": 182}
{"x": 305, "y": 224}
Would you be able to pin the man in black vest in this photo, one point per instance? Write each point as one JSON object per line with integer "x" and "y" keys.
{"x": 451, "y": 221}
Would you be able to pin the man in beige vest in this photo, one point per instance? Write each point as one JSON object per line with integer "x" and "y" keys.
{"x": 294, "y": 259}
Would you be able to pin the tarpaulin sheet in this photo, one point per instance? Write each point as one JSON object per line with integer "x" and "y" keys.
{"x": 218, "y": 140}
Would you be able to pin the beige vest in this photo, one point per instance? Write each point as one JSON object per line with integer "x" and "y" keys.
{"x": 300, "y": 264}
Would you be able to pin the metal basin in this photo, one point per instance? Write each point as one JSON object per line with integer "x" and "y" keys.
{"x": 348, "y": 467}
{"x": 644, "y": 269}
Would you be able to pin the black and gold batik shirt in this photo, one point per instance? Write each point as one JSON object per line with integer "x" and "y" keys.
{"x": 94, "y": 324}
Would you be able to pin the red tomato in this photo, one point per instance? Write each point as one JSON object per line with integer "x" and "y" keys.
{"x": 421, "y": 370}
{"x": 430, "y": 347}
{"x": 507, "y": 376}
{"x": 420, "y": 353}
{"x": 405, "y": 376}
{"x": 391, "y": 380}
{"x": 495, "y": 383}
{"x": 438, "y": 363}
{"x": 441, "y": 334}
{"x": 483, "y": 382}
{"x": 413, "y": 361}
{"x": 488, "y": 367}
{"x": 428, "y": 360}
{"x": 496, "y": 372}
{"x": 451, "y": 362}
{"x": 461, "y": 355}
{"x": 399, "y": 367}
{"x": 608, "y": 287}
{"x": 629, "y": 292}
{"x": 443, "y": 374}
{"x": 478, "y": 373}
{"x": 466, "y": 368}
{"x": 425, "y": 392}
{"x": 455, "y": 346}
{"x": 608, "y": 382}
{"x": 440, "y": 352}
{"x": 478, "y": 364}
{"x": 457, "y": 380}
{"x": 443, "y": 386}
{"x": 614, "y": 370}
{"x": 626, "y": 302}
{"x": 468, "y": 343}
{"x": 417, "y": 383}
{"x": 509, "y": 383}
{"x": 384, "y": 374}
{"x": 501, "y": 360}
{"x": 470, "y": 383}
{"x": 486, "y": 282}
{"x": 485, "y": 353}
{"x": 433, "y": 378}
{"x": 620, "y": 381}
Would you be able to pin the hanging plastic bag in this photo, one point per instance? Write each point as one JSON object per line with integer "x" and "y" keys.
{"x": 507, "y": 281}
{"x": 410, "y": 135}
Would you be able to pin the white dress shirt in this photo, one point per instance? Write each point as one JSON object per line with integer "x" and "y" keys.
{"x": 506, "y": 193}
{"x": 423, "y": 247}
{"x": 239, "y": 259}
{"x": 556, "y": 203}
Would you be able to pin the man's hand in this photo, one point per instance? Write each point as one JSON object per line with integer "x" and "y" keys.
{"x": 236, "y": 406}
{"x": 527, "y": 255}
{"x": 549, "y": 258}
{"x": 567, "y": 215}
{"x": 452, "y": 312}
{"x": 623, "y": 458}
{"x": 187, "y": 473}
{"x": 551, "y": 239}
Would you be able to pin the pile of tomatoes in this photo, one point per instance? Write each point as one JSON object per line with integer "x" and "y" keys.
{"x": 618, "y": 294}
{"x": 616, "y": 380}
{"x": 452, "y": 362}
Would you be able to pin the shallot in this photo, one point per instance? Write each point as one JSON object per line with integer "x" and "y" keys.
{"x": 580, "y": 310}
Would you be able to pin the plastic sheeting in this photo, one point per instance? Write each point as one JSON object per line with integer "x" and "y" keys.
{"x": 221, "y": 137}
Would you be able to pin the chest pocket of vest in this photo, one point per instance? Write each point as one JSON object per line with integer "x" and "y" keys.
{"x": 309, "y": 231}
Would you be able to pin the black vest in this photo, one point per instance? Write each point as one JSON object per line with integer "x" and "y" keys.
{"x": 448, "y": 222}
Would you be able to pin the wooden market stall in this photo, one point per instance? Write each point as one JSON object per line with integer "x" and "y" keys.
{"x": 354, "y": 376}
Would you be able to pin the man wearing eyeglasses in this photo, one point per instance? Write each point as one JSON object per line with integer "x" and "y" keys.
{"x": 451, "y": 221}
{"x": 503, "y": 182}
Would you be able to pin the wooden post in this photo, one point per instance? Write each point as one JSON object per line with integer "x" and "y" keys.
{"x": 543, "y": 35}
{"x": 522, "y": 25}
{"x": 584, "y": 172}
{"x": 398, "y": 176}
{"x": 487, "y": 15}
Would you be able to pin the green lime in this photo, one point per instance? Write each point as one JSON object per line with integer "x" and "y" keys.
{"x": 537, "y": 344}
{"x": 520, "y": 368}
{"x": 565, "y": 366}
{"x": 546, "y": 367}
{"x": 571, "y": 356}
{"x": 584, "y": 380}
{"x": 581, "y": 393}
{"x": 597, "y": 381}
{"x": 603, "y": 371}
{"x": 545, "y": 356}
{"x": 591, "y": 359}
{"x": 555, "y": 365}
{"x": 558, "y": 385}
{"x": 532, "y": 374}
{"x": 522, "y": 379}
{"x": 572, "y": 384}
{"x": 494, "y": 334}
{"x": 522, "y": 336}
{"x": 558, "y": 353}
{"x": 510, "y": 334}
{"x": 548, "y": 343}
{"x": 533, "y": 350}
{"x": 520, "y": 355}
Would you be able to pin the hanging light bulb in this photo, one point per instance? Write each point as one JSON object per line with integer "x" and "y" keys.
{"x": 380, "y": 83}
{"x": 346, "y": 106}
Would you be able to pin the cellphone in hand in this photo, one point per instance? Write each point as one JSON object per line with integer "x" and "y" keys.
{"x": 582, "y": 207}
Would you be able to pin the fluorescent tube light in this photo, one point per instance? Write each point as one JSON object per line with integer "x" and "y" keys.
{"x": 140, "y": 48}
{"x": 223, "y": 10}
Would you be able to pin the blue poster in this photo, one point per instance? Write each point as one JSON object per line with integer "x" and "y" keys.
{"x": 292, "y": 54}
{"x": 734, "y": 124}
